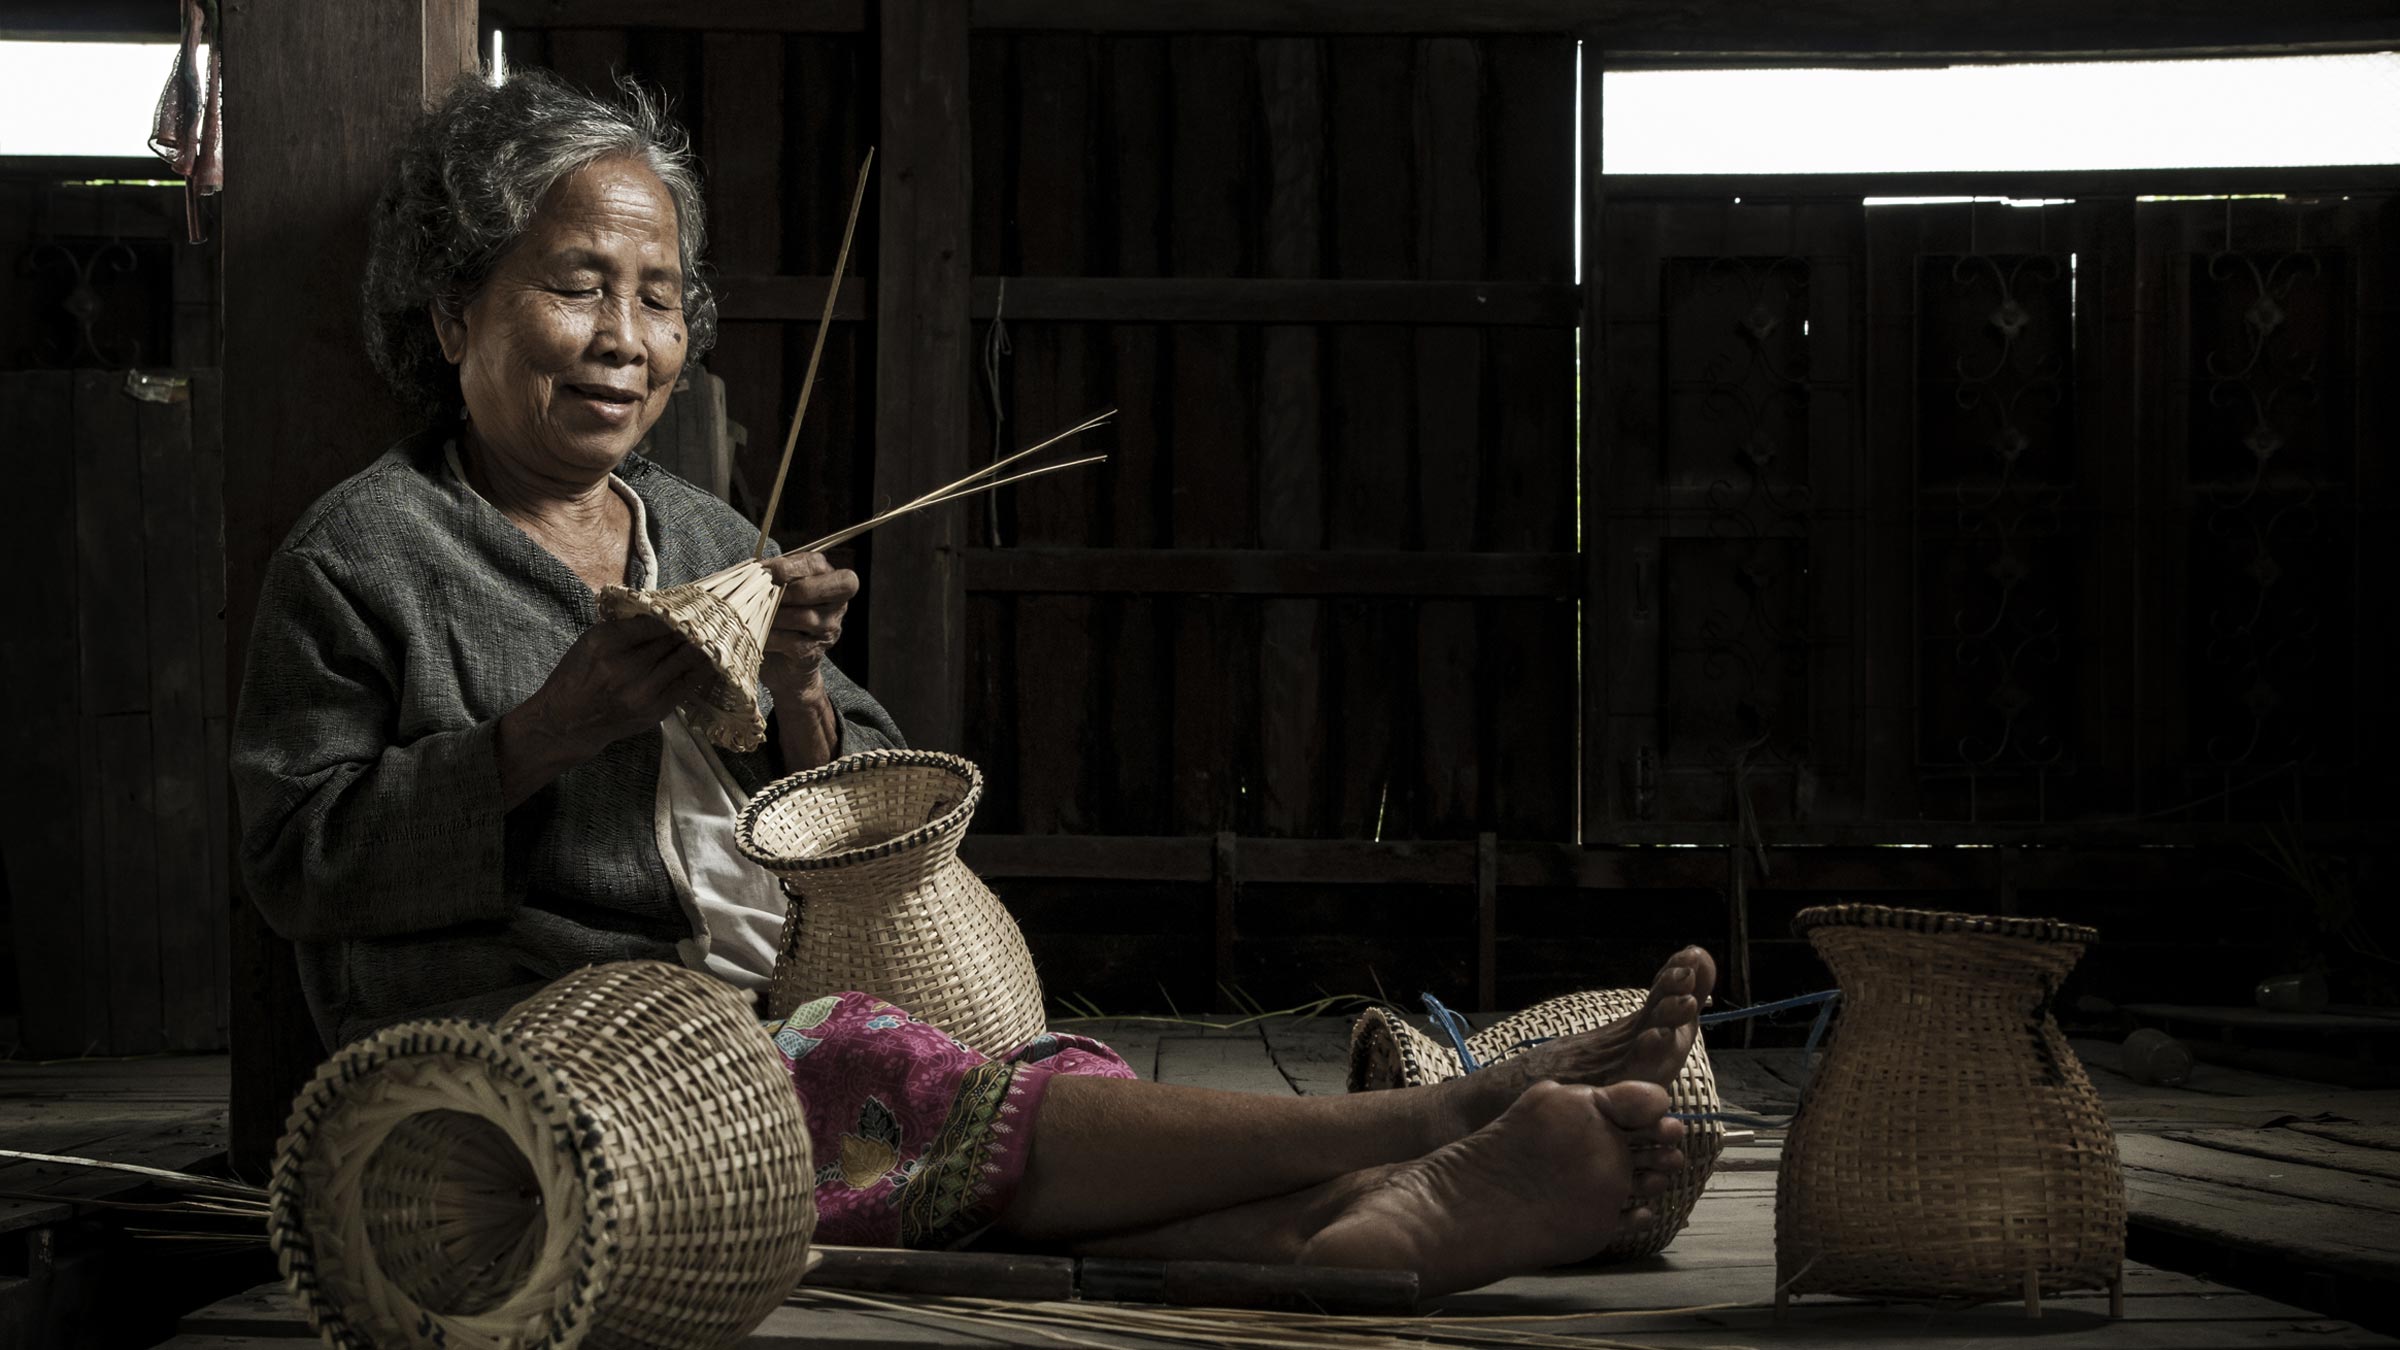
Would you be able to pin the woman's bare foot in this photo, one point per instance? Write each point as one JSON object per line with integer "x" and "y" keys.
{"x": 1543, "y": 1184}
{"x": 1647, "y": 1046}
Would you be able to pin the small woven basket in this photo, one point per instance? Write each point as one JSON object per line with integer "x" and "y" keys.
{"x": 620, "y": 1161}
{"x": 867, "y": 847}
{"x": 727, "y": 615}
{"x": 1950, "y": 1144}
{"x": 1386, "y": 1052}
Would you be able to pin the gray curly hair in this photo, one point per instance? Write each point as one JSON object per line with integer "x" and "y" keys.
{"x": 465, "y": 186}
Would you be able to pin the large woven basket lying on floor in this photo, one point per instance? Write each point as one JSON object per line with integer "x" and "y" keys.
{"x": 867, "y": 847}
{"x": 1386, "y": 1051}
{"x": 620, "y": 1161}
{"x": 1949, "y": 1144}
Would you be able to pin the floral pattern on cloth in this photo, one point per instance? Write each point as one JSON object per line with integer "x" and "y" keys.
{"x": 919, "y": 1140}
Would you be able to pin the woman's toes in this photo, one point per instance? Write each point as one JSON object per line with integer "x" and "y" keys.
{"x": 1633, "y": 1106}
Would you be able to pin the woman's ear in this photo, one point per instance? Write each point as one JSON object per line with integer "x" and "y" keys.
{"x": 449, "y": 329}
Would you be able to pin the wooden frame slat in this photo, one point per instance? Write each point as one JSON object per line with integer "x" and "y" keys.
{"x": 1271, "y": 572}
{"x": 1947, "y": 30}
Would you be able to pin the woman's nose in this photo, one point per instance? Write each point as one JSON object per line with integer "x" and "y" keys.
{"x": 613, "y": 332}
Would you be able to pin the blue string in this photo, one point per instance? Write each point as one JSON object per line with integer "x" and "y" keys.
{"x": 1455, "y": 1027}
{"x": 1808, "y": 1057}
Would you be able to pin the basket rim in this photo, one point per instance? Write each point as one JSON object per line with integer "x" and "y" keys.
{"x": 353, "y": 1064}
{"x": 864, "y": 761}
{"x": 1855, "y": 914}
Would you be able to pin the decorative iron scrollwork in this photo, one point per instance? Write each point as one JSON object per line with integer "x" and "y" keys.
{"x": 90, "y": 344}
{"x": 2261, "y": 635}
{"x": 2002, "y": 639}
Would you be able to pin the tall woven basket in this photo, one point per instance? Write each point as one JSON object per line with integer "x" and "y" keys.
{"x": 1950, "y": 1145}
{"x": 619, "y": 1162}
{"x": 1387, "y": 1052}
{"x": 867, "y": 847}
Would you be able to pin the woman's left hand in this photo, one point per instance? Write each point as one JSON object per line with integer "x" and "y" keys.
{"x": 816, "y": 596}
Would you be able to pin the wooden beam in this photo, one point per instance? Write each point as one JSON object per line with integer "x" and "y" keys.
{"x": 716, "y": 16}
{"x": 302, "y": 410}
{"x": 1277, "y": 301}
{"x": 2081, "y": 184}
{"x": 922, "y": 370}
{"x": 1189, "y": 300}
{"x": 1271, "y": 572}
{"x": 1831, "y": 30}
{"x": 90, "y": 21}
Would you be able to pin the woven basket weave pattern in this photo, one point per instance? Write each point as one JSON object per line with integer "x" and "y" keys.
{"x": 1950, "y": 1141}
{"x": 620, "y": 1161}
{"x": 726, "y": 615}
{"x": 868, "y": 850}
{"x": 1386, "y": 1051}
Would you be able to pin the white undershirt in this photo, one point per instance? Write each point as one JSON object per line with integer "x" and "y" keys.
{"x": 735, "y": 905}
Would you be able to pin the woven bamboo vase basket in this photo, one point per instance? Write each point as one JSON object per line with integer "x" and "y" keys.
{"x": 1387, "y": 1051}
{"x": 619, "y": 1162}
{"x": 1950, "y": 1144}
{"x": 867, "y": 848}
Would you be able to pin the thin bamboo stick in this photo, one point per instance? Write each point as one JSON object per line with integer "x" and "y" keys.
{"x": 850, "y": 532}
{"x": 808, "y": 381}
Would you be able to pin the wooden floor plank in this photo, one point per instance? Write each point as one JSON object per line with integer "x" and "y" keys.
{"x": 1228, "y": 1063}
{"x": 1312, "y": 1053}
{"x": 2374, "y": 1200}
{"x": 2293, "y": 1146}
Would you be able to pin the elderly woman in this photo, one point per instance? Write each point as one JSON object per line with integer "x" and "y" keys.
{"x": 457, "y": 783}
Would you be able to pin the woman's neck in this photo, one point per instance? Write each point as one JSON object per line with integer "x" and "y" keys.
{"x": 531, "y": 497}
{"x": 581, "y": 522}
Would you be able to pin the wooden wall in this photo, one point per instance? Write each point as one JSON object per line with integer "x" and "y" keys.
{"x": 113, "y": 812}
{"x": 1356, "y": 670}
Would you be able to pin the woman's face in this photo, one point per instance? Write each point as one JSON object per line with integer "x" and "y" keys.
{"x": 567, "y": 355}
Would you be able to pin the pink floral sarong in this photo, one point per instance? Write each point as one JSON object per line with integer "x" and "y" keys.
{"x": 918, "y": 1140}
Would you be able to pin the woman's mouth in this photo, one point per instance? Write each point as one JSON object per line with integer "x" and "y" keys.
{"x": 609, "y": 403}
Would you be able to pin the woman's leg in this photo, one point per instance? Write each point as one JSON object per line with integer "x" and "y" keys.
{"x": 1110, "y": 1155}
{"x": 1544, "y": 1184}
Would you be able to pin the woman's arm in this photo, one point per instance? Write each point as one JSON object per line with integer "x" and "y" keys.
{"x": 344, "y": 834}
{"x": 348, "y": 835}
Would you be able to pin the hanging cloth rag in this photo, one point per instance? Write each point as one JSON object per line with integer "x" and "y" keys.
{"x": 188, "y": 130}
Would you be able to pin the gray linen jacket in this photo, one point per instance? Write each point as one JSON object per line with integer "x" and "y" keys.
{"x": 398, "y": 621}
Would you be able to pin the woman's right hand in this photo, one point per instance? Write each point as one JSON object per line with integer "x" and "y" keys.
{"x": 620, "y": 678}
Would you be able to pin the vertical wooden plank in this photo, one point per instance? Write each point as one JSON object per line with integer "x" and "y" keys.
{"x": 741, "y": 150}
{"x": 589, "y": 57}
{"x": 1371, "y": 437}
{"x": 208, "y": 566}
{"x": 1212, "y": 443}
{"x": 922, "y": 365}
{"x": 120, "y": 952}
{"x": 41, "y": 840}
{"x": 1528, "y": 663}
{"x": 296, "y": 234}
{"x": 177, "y": 739}
{"x": 1888, "y": 681}
{"x": 1450, "y": 427}
{"x": 1056, "y": 691}
{"x": 1487, "y": 921}
{"x": 1225, "y": 865}
{"x": 825, "y": 136}
{"x": 1140, "y": 681}
{"x": 1292, "y": 716}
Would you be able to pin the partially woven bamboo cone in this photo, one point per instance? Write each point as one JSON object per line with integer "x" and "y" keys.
{"x": 1386, "y": 1052}
{"x": 620, "y": 1162}
{"x": 867, "y": 847}
{"x": 1950, "y": 1144}
{"x": 728, "y": 615}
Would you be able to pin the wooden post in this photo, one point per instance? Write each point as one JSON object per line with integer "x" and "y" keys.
{"x": 1596, "y": 731}
{"x": 921, "y": 368}
{"x": 320, "y": 93}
